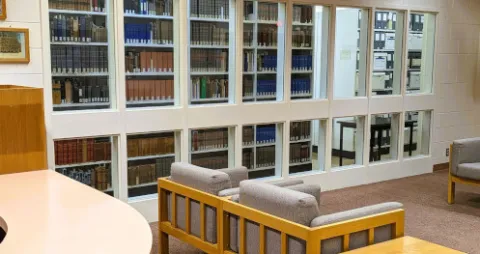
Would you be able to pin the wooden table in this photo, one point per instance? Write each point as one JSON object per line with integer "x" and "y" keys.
{"x": 404, "y": 245}
{"x": 44, "y": 212}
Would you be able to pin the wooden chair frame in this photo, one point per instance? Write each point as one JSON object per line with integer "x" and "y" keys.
{"x": 452, "y": 180}
{"x": 225, "y": 208}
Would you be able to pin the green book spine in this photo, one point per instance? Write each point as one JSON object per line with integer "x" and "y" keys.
{"x": 203, "y": 88}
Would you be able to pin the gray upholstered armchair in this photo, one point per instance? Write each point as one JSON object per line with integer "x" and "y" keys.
{"x": 464, "y": 164}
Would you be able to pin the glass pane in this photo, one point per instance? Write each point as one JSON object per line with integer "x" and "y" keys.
{"x": 210, "y": 148}
{"x": 384, "y": 137}
{"x": 149, "y": 53}
{"x": 309, "y": 51}
{"x": 307, "y": 146}
{"x": 80, "y": 52}
{"x": 347, "y": 144}
{"x": 421, "y": 50}
{"x": 263, "y": 46}
{"x": 387, "y": 52}
{"x": 149, "y": 157}
{"x": 350, "y": 52}
{"x": 87, "y": 160}
{"x": 417, "y": 133}
{"x": 212, "y": 47}
{"x": 260, "y": 148}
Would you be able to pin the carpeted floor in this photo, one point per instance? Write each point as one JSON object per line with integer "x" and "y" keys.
{"x": 428, "y": 216}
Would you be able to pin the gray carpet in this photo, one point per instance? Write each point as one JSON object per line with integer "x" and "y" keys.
{"x": 428, "y": 216}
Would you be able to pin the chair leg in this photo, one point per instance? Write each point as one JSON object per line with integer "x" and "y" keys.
{"x": 451, "y": 190}
{"x": 163, "y": 249}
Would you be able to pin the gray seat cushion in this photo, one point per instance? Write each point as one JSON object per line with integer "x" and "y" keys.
{"x": 236, "y": 175}
{"x": 229, "y": 192}
{"x": 465, "y": 151}
{"x": 283, "y": 183}
{"x": 311, "y": 189}
{"x": 469, "y": 170}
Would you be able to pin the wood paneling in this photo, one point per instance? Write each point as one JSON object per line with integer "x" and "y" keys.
{"x": 22, "y": 130}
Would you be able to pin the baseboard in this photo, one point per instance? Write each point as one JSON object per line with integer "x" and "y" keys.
{"x": 440, "y": 166}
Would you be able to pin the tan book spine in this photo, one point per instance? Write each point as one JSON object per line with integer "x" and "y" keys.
{"x": 162, "y": 89}
{"x": 149, "y": 66}
{"x": 165, "y": 61}
{"x": 68, "y": 91}
{"x": 154, "y": 62}
{"x": 143, "y": 62}
{"x": 158, "y": 90}
{"x": 170, "y": 61}
{"x": 141, "y": 90}
{"x": 135, "y": 90}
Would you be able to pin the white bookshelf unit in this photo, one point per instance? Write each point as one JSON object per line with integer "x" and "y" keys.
{"x": 211, "y": 49}
{"x": 121, "y": 117}
{"x": 263, "y": 51}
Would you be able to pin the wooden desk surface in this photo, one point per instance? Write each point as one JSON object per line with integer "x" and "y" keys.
{"x": 405, "y": 245}
{"x": 47, "y": 213}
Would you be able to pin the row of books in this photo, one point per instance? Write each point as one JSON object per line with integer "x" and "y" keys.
{"x": 385, "y": 20}
{"x": 137, "y": 147}
{"x": 81, "y": 151}
{"x": 146, "y": 61}
{"x": 248, "y": 158}
{"x": 78, "y": 5}
{"x": 79, "y": 59}
{"x": 209, "y": 60}
{"x": 302, "y": 62}
{"x": 248, "y": 135}
{"x": 247, "y": 86}
{"x": 78, "y": 90}
{"x": 215, "y": 9}
{"x": 248, "y": 60}
{"x": 302, "y": 37}
{"x": 149, "y": 173}
{"x": 149, "y": 7}
{"x": 248, "y": 35}
{"x": 266, "y": 87}
{"x": 203, "y": 33}
{"x": 416, "y": 22}
{"x": 98, "y": 177}
{"x": 300, "y": 86}
{"x": 266, "y": 62}
{"x": 209, "y": 139}
{"x": 265, "y": 156}
{"x": 302, "y": 14}
{"x": 156, "y": 32}
{"x": 268, "y": 11}
{"x": 76, "y": 29}
{"x": 150, "y": 90}
{"x": 266, "y": 134}
{"x": 211, "y": 161}
{"x": 207, "y": 87}
{"x": 267, "y": 36}
{"x": 299, "y": 153}
{"x": 300, "y": 130}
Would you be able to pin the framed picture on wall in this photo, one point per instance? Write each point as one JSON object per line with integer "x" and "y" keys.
{"x": 3, "y": 9}
{"x": 14, "y": 45}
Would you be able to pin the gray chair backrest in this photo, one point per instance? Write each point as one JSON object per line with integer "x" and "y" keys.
{"x": 288, "y": 204}
{"x": 203, "y": 179}
{"x": 465, "y": 151}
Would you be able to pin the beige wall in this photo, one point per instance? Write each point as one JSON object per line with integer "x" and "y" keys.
{"x": 457, "y": 111}
{"x": 25, "y": 14}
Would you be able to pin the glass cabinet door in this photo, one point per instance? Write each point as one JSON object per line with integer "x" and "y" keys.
{"x": 263, "y": 51}
{"x": 81, "y": 38}
{"x": 211, "y": 51}
{"x": 148, "y": 29}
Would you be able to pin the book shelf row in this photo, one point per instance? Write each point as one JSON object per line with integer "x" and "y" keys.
{"x": 79, "y": 59}
{"x": 148, "y": 62}
{"x": 149, "y": 90}
{"x": 145, "y": 7}
{"x": 81, "y": 5}
{"x": 77, "y": 29}
{"x": 156, "y": 32}
{"x": 80, "y": 90}
{"x": 145, "y": 146}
